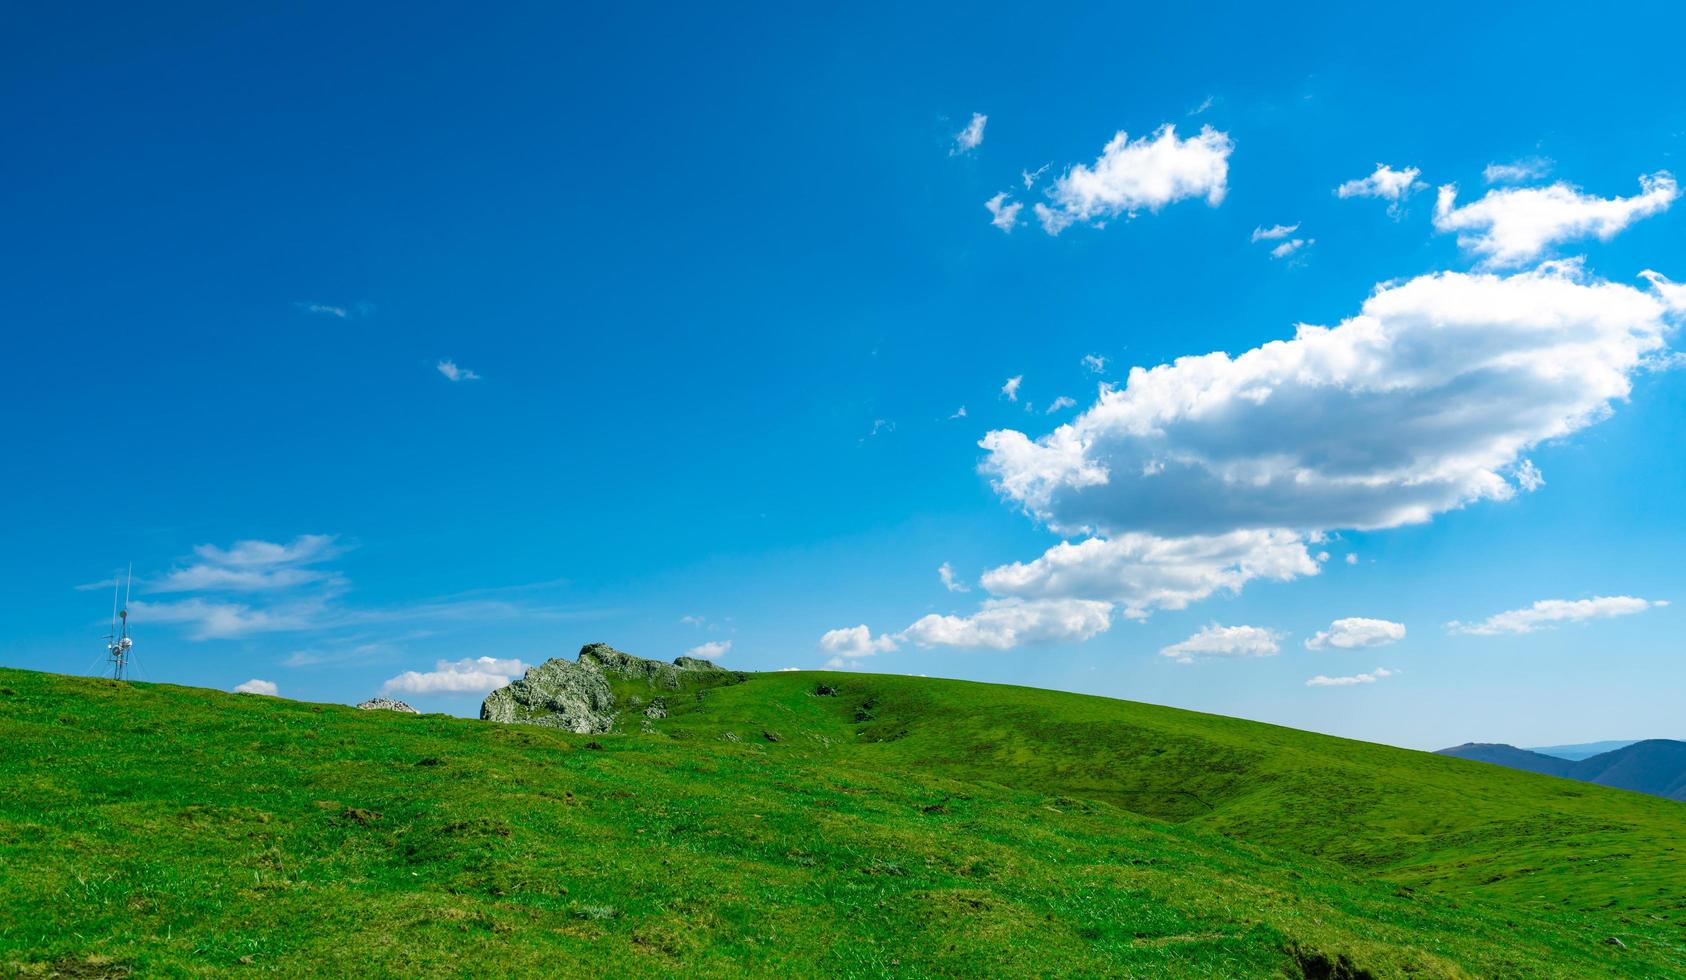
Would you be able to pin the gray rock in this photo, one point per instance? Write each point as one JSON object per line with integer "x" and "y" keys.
{"x": 386, "y": 704}
{"x": 576, "y": 696}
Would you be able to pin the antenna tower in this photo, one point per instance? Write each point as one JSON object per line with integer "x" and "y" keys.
{"x": 117, "y": 643}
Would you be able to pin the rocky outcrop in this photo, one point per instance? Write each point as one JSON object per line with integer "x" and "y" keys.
{"x": 577, "y": 695}
{"x": 387, "y": 704}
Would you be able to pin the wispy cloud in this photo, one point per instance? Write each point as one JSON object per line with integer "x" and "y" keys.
{"x": 1367, "y": 678}
{"x": 945, "y": 571}
{"x": 1274, "y": 232}
{"x": 1516, "y": 172}
{"x": 1386, "y": 183}
{"x": 1549, "y": 612}
{"x": 452, "y": 371}
{"x": 971, "y": 137}
{"x": 1011, "y": 388}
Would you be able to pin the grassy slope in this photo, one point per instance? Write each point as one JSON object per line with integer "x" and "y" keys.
{"x": 956, "y": 829}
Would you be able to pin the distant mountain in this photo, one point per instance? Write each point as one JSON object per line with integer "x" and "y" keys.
{"x": 1584, "y": 750}
{"x": 1509, "y": 755}
{"x": 1656, "y": 766}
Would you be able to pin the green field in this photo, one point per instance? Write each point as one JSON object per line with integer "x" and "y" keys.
{"x": 896, "y": 826}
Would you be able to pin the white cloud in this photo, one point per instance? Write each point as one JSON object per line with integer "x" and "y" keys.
{"x": 1030, "y": 177}
{"x": 1143, "y": 572}
{"x": 1094, "y": 362}
{"x": 1145, "y": 174}
{"x": 1205, "y": 104}
{"x": 1225, "y": 641}
{"x": 255, "y": 686}
{"x": 251, "y": 566}
{"x": 323, "y": 309}
{"x": 1673, "y": 293}
{"x": 1532, "y": 168}
{"x": 1549, "y": 612}
{"x": 1352, "y": 558}
{"x": 1369, "y": 678}
{"x": 280, "y": 594}
{"x": 1001, "y": 624}
{"x": 945, "y": 571}
{"x": 1416, "y": 406}
{"x": 1514, "y": 225}
{"x": 971, "y": 137}
{"x": 1274, "y": 232}
{"x": 1213, "y": 471}
{"x": 1002, "y": 214}
{"x": 1291, "y": 246}
{"x": 219, "y": 620}
{"x": 855, "y": 641}
{"x": 1061, "y": 402}
{"x": 1528, "y": 476}
{"x": 713, "y": 650}
{"x": 1355, "y": 633}
{"x": 1386, "y": 183}
{"x": 450, "y": 370}
{"x": 1011, "y": 388}
{"x": 475, "y": 675}
{"x": 959, "y": 413}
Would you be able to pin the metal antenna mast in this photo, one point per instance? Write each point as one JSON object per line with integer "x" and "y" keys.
{"x": 117, "y": 644}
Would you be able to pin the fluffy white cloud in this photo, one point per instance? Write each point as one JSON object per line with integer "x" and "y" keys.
{"x": 1144, "y": 174}
{"x": 713, "y": 650}
{"x": 1274, "y": 232}
{"x": 855, "y": 641}
{"x": 1549, "y": 612}
{"x": 1356, "y": 632}
{"x": 971, "y": 137}
{"x": 1514, "y": 225}
{"x": 1002, "y": 214}
{"x": 1532, "y": 168}
{"x": 1391, "y": 185}
{"x": 1011, "y": 388}
{"x": 1417, "y": 405}
{"x": 475, "y": 675}
{"x": 1369, "y": 678}
{"x": 1225, "y": 641}
{"x": 1001, "y": 624}
{"x": 945, "y": 571}
{"x": 452, "y": 371}
{"x": 1143, "y": 572}
{"x": 255, "y": 686}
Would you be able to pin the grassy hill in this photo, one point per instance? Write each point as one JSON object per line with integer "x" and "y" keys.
{"x": 893, "y": 826}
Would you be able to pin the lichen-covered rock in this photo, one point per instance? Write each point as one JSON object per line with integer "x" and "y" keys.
{"x": 577, "y": 696}
{"x": 387, "y": 704}
{"x": 556, "y": 694}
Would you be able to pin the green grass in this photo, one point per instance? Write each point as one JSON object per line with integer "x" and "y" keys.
{"x": 904, "y": 826}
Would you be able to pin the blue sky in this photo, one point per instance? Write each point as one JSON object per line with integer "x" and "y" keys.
{"x": 384, "y": 341}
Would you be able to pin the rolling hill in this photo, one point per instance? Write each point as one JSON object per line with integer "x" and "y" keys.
{"x": 798, "y": 823}
{"x": 1656, "y": 766}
